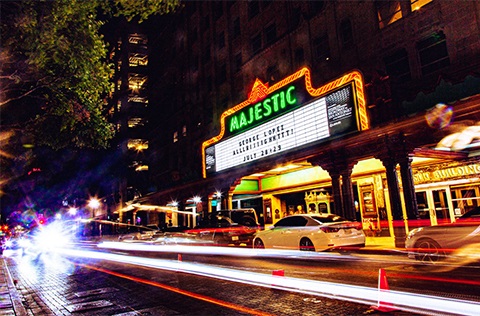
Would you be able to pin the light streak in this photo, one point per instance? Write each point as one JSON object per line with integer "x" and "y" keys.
{"x": 405, "y": 301}
{"x": 179, "y": 291}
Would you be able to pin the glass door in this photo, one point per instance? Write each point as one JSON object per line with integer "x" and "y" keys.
{"x": 435, "y": 205}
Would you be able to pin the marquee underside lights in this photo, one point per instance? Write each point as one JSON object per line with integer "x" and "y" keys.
{"x": 284, "y": 117}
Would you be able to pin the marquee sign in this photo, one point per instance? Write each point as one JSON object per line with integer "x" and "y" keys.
{"x": 281, "y": 118}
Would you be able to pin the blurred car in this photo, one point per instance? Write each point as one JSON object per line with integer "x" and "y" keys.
{"x": 228, "y": 227}
{"x": 151, "y": 233}
{"x": 433, "y": 243}
{"x": 311, "y": 232}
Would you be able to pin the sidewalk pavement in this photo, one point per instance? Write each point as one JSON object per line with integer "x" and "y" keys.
{"x": 11, "y": 301}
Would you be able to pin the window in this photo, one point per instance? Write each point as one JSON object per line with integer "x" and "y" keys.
{"x": 137, "y": 82}
{"x": 206, "y": 55}
{"x": 388, "y": 12}
{"x": 238, "y": 62}
{"x": 138, "y": 39}
{"x": 299, "y": 56}
{"x": 194, "y": 35}
{"x": 397, "y": 65}
{"x": 417, "y": 4}
{"x": 218, "y": 10}
{"x": 222, "y": 73}
{"x": 175, "y": 136}
{"x": 137, "y": 144}
{"x": 236, "y": 28}
{"x": 184, "y": 130}
{"x": 346, "y": 32}
{"x": 221, "y": 40}
{"x": 272, "y": 73}
{"x": 270, "y": 33}
{"x": 321, "y": 48}
{"x": 257, "y": 42}
{"x": 317, "y": 6}
{"x": 195, "y": 63}
{"x": 136, "y": 122}
{"x": 433, "y": 53}
{"x": 296, "y": 17}
{"x": 295, "y": 221}
{"x": 206, "y": 22}
{"x": 137, "y": 59}
{"x": 208, "y": 80}
{"x": 253, "y": 9}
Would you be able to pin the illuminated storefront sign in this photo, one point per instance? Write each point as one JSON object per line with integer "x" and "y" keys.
{"x": 443, "y": 174}
{"x": 285, "y": 117}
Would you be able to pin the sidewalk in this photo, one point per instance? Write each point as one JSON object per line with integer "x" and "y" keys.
{"x": 10, "y": 300}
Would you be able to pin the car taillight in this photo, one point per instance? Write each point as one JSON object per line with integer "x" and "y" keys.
{"x": 329, "y": 229}
{"x": 358, "y": 226}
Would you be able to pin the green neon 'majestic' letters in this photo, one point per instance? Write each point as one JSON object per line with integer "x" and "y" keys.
{"x": 276, "y": 103}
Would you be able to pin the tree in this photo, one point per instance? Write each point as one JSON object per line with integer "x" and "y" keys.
{"x": 54, "y": 79}
{"x": 54, "y": 71}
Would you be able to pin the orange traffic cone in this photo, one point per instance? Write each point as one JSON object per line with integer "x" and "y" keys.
{"x": 383, "y": 287}
{"x": 179, "y": 257}
{"x": 278, "y": 272}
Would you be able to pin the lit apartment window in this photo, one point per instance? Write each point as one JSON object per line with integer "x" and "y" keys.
{"x": 184, "y": 130}
{"x": 138, "y": 166}
{"x": 137, "y": 59}
{"x": 417, "y": 4}
{"x": 137, "y": 39}
{"x": 119, "y": 105}
{"x": 175, "y": 137}
{"x": 433, "y": 53}
{"x": 137, "y": 82}
{"x": 388, "y": 12}
{"x": 137, "y": 144}
{"x": 137, "y": 99}
{"x": 136, "y": 122}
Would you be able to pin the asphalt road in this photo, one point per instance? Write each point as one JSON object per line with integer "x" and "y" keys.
{"x": 54, "y": 284}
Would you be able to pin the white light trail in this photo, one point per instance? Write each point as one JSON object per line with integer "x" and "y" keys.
{"x": 405, "y": 301}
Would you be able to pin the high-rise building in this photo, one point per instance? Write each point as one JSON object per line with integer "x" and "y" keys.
{"x": 129, "y": 109}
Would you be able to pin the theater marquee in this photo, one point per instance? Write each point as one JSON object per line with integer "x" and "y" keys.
{"x": 281, "y": 118}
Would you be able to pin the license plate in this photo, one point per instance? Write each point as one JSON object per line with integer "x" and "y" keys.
{"x": 234, "y": 237}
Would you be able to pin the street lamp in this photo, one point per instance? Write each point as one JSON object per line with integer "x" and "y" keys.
{"x": 94, "y": 204}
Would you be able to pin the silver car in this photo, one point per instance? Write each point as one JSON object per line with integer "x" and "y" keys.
{"x": 433, "y": 243}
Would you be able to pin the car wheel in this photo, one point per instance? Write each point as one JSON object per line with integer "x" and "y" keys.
{"x": 306, "y": 245}
{"x": 428, "y": 251}
{"x": 258, "y": 244}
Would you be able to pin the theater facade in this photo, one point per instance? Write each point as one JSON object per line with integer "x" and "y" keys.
{"x": 297, "y": 147}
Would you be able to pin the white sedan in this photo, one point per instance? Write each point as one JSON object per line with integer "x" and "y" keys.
{"x": 311, "y": 232}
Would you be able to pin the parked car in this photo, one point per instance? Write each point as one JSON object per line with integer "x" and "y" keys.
{"x": 228, "y": 227}
{"x": 433, "y": 243}
{"x": 311, "y": 232}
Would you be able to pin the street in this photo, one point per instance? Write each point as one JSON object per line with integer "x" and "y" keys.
{"x": 121, "y": 282}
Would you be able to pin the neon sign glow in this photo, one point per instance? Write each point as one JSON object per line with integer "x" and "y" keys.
{"x": 280, "y": 118}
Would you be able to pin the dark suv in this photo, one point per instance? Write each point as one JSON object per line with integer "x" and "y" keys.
{"x": 228, "y": 227}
